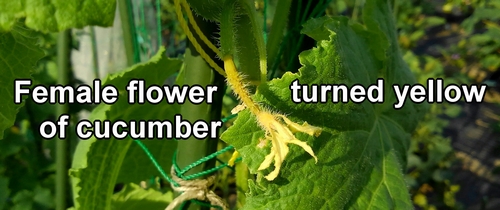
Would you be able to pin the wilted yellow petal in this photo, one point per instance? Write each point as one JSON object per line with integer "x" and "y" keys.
{"x": 238, "y": 108}
{"x": 281, "y": 135}
{"x": 306, "y": 147}
{"x": 267, "y": 161}
{"x": 304, "y": 128}
{"x": 277, "y": 166}
{"x": 233, "y": 158}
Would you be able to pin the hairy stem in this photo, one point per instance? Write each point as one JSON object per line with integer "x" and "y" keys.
{"x": 235, "y": 80}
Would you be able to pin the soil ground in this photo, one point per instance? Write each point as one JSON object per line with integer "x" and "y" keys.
{"x": 477, "y": 145}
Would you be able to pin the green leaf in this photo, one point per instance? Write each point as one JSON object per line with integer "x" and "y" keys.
{"x": 43, "y": 196}
{"x": 434, "y": 21}
{"x": 491, "y": 62}
{"x": 362, "y": 150}
{"x": 138, "y": 167}
{"x": 210, "y": 9}
{"x": 480, "y": 39}
{"x": 4, "y": 191}
{"x": 479, "y": 15}
{"x": 40, "y": 197}
{"x": 453, "y": 110}
{"x": 98, "y": 164}
{"x": 18, "y": 56}
{"x": 133, "y": 197}
{"x": 56, "y": 15}
{"x": 12, "y": 144}
{"x": 23, "y": 200}
{"x": 439, "y": 148}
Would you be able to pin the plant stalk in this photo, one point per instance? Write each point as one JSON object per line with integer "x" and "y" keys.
{"x": 128, "y": 29}
{"x": 355, "y": 10}
{"x": 95, "y": 58}
{"x": 158, "y": 23}
{"x": 298, "y": 42}
{"x": 280, "y": 20}
{"x": 259, "y": 38}
{"x": 242, "y": 177}
{"x": 395, "y": 7}
{"x": 63, "y": 62}
{"x": 198, "y": 72}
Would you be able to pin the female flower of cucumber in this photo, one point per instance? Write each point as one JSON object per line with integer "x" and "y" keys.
{"x": 278, "y": 128}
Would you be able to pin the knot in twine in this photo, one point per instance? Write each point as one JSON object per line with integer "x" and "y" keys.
{"x": 194, "y": 190}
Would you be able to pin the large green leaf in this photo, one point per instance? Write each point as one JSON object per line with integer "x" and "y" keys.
{"x": 18, "y": 56}
{"x": 18, "y": 52}
{"x": 133, "y": 197}
{"x": 56, "y": 15}
{"x": 136, "y": 165}
{"x": 99, "y": 164}
{"x": 362, "y": 150}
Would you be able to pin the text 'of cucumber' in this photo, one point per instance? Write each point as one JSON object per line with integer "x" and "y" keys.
{"x": 138, "y": 92}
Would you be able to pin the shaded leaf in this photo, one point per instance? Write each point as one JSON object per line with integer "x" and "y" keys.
{"x": 133, "y": 197}
{"x": 18, "y": 56}
{"x": 98, "y": 164}
{"x": 58, "y": 15}
{"x": 4, "y": 191}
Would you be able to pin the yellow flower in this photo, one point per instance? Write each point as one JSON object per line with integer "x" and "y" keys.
{"x": 278, "y": 128}
{"x": 282, "y": 134}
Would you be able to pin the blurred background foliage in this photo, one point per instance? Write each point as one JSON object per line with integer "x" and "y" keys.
{"x": 457, "y": 40}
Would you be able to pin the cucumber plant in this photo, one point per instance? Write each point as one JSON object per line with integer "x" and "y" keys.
{"x": 362, "y": 148}
{"x": 326, "y": 156}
